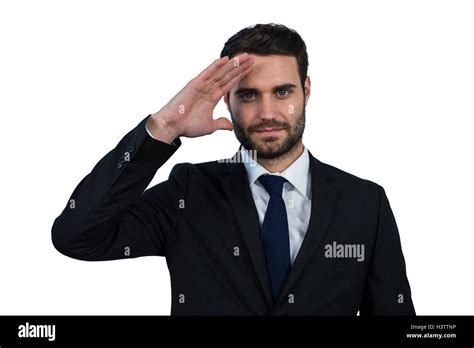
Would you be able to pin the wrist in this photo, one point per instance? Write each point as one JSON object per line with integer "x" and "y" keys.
{"x": 160, "y": 128}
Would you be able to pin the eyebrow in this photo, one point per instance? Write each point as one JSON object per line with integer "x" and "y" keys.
{"x": 254, "y": 90}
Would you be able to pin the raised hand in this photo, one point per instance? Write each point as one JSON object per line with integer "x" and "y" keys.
{"x": 190, "y": 112}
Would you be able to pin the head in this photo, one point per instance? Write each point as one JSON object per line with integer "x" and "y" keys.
{"x": 267, "y": 106}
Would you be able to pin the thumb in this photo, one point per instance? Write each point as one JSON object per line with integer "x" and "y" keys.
{"x": 223, "y": 123}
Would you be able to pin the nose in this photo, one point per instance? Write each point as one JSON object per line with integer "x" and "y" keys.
{"x": 267, "y": 110}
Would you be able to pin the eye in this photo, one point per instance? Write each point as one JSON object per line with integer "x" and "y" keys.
{"x": 283, "y": 92}
{"x": 247, "y": 96}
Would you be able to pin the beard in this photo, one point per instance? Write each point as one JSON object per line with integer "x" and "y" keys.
{"x": 271, "y": 147}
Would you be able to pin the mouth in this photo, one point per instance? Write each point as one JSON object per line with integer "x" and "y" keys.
{"x": 266, "y": 131}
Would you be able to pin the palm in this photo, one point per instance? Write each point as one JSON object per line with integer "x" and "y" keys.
{"x": 192, "y": 108}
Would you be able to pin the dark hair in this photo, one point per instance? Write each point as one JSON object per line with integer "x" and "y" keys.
{"x": 268, "y": 39}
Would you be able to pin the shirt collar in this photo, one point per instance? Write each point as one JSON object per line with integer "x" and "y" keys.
{"x": 297, "y": 173}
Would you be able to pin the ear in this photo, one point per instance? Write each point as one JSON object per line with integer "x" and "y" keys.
{"x": 307, "y": 89}
{"x": 226, "y": 101}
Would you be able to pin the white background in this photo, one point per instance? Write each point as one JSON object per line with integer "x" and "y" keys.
{"x": 392, "y": 102}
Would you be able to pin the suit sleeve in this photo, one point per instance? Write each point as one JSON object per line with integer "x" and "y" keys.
{"x": 109, "y": 215}
{"x": 387, "y": 291}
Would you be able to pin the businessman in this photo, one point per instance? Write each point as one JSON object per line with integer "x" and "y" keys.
{"x": 271, "y": 230}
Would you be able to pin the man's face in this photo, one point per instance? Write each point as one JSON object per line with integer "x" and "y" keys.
{"x": 268, "y": 106}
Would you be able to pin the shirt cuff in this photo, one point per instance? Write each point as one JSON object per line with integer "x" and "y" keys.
{"x": 151, "y": 136}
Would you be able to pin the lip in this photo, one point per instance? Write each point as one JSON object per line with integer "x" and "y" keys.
{"x": 269, "y": 130}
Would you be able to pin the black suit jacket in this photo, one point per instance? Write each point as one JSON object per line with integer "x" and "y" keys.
{"x": 204, "y": 221}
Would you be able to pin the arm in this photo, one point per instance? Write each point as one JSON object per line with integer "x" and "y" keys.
{"x": 108, "y": 216}
{"x": 387, "y": 291}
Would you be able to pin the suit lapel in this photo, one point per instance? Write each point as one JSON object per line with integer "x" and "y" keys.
{"x": 240, "y": 197}
{"x": 323, "y": 200}
{"x": 324, "y": 196}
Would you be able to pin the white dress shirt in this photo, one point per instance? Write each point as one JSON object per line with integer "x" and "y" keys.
{"x": 296, "y": 195}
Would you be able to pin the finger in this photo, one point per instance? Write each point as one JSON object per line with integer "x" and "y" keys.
{"x": 228, "y": 86}
{"x": 211, "y": 70}
{"x": 243, "y": 67}
{"x": 223, "y": 123}
{"x": 231, "y": 65}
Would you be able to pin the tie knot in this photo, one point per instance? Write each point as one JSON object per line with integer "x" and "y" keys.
{"x": 272, "y": 183}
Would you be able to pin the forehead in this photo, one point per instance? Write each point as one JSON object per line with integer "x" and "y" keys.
{"x": 270, "y": 71}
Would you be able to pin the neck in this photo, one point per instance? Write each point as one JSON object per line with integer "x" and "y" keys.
{"x": 279, "y": 164}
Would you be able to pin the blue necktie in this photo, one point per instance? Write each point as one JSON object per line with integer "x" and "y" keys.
{"x": 275, "y": 234}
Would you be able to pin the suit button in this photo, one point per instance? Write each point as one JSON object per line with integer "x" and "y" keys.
{"x": 131, "y": 148}
{"x": 119, "y": 165}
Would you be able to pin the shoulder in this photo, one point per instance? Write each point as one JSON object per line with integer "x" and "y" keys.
{"x": 211, "y": 171}
{"x": 345, "y": 180}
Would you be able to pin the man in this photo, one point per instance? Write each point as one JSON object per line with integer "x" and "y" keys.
{"x": 272, "y": 231}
